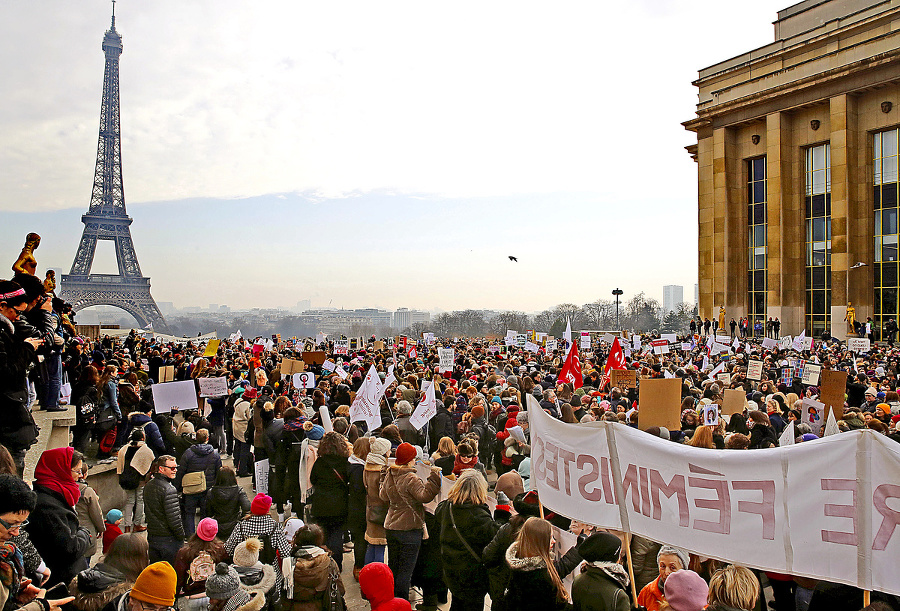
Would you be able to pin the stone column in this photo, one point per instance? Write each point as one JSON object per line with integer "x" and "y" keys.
{"x": 844, "y": 209}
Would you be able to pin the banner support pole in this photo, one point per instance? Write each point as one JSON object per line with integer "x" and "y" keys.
{"x": 867, "y": 596}
{"x": 630, "y": 568}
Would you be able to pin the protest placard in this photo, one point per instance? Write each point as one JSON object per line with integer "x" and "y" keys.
{"x": 709, "y": 415}
{"x": 180, "y": 395}
{"x": 813, "y": 414}
{"x": 724, "y": 378}
{"x": 379, "y": 345}
{"x": 754, "y": 370}
{"x": 623, "y": 378}
{"x": 858, "y": 344}
{"x": 145, "y": 364}
{"x": 446, "y": 356}
{"x": 734, "y": 402}
{"x": 811, "y": 373}
{"x": 261, "y": 467}
{"x": 660, "y": 402}
{"x": 669, "y": 337}
{"x": 167, "y": 373}
{"x": 531, "y": 347}
{"x": 769, "y": 344}
{"x": 291, "y": 366}
{"x": 831, "y": 391}
{"x": 342, "y": 346}
{"x": 325, "y": 416}
{"x": 585, "y": 340}
{"x": 786, "y": 342}
{"x": 807, "y": 344}
{"x": 314, "y": 357}
{"x": 211, "y": 348}
{"x": 686, "y": 347}
{"x": 304, "y": 379}
{"x": 329, "y": 365}
{"x": 660, "y": 346}
{"x": 779, "y": 512}
{"x": 213, "y": 387}
{"x": 551, "y": 345}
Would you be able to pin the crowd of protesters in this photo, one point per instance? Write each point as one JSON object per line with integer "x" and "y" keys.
{"x": 329, "y": 491}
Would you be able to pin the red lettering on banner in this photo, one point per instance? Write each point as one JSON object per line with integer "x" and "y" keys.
{"x": 628, "y": 482}
{"x": 841, "y": 511}
{"x": 645, "y": 491}
{"x": 553, "y": 481}
{"x": 891, "y": 517}
{"x": 566, "y": 457}
{"x": 676, "y": 487}
{"x": 537, "y": 469}
{"x": 606, "y": 480}
{"x": 722, "y": 504}
{"x": 588, "y": 478}
{"x": 765, "y": 509}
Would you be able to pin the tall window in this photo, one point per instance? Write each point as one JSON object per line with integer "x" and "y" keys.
{"x": 886, "y": 233}
{"x": 818, "y": 238}
{"x": 756, "y": 226}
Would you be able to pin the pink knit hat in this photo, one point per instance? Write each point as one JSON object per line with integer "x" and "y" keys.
{"x": 207, "y": 529}
{"x": 686, "y": 591}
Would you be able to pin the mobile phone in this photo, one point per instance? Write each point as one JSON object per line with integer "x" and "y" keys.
{"x": 57, "y": 592}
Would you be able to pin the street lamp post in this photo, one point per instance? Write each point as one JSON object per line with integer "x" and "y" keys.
{"x": 617, "y": 292}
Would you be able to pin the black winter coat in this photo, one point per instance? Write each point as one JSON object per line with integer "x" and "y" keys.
{"x": 199, "y": 457}
{"x": 329, "y": 478}
{"x": 440, "y": 425}
{"x": 356, "y": 499}
{"x": 54, "y": 530}
{"x": 17, "y": 428}
{"x": 227, "y": 504}
{"x": 463, "y": 572}
{"x": 762, "y": 436}
{"x": 274, "y": 431}
{"x": 162, "y": 509}
{"x": 494, "y": 556}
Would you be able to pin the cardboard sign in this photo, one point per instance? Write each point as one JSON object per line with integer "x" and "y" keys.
{"x": 811, "y": 373}
{"x": 858, "y": 344}
{"x": 623, "y": 378}
{"x": 734, "y": 401}
{"x": 211, "y": 348}
{"x": 660, "y": 404}
{"x": 166, "y": 374}
{"x": 213, "y": 387}
{"x": 831, "y": 392}
{"x": 179, "y": 395}
{"x": 292, "y": 366}
{"x": 314, "y": 358}
{"x": 754, "y": 370}
{"x": 304, "y": 379}
{"x": 379, "y": 345}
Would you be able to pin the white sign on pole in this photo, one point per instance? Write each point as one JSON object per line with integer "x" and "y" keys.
{"x": 213, "y": 387}
{"x": 446, "y": 356}
{"x": 551, "y": 345}
{"x": 342, "y": 346}
{"x": 179, "y": 395}
{"x": 811, "y": 413}
{"x": 585, "y": 340}
{"x": 531, "y": 347}
{"x": 325, "y": 416}
{"x": 304, "y": 379}
{"x": 769, "y": 344}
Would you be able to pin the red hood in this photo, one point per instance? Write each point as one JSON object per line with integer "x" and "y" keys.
{"x": 377, "y": 584}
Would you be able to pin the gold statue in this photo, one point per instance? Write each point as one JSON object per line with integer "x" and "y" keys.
{"x": 26, "y": 263}
{"x": 721, "y": 317}
{"x": 50, "y": 281}
{"x": 851, "y": 316}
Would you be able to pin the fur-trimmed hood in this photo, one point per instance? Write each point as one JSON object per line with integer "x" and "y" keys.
{"x": 97, "y": 586}
{"x": 523, "y": 564}
{"x": 257, "y": 602}
{"x": 265, "y": 584}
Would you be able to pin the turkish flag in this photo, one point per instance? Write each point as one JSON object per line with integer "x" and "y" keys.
{"x": 615, "y": 360}
{"x": 571, "y": 369}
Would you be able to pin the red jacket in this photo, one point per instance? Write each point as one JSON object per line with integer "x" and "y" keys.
{"x": 377, "y": 584}
{"x": 109, "y": 535}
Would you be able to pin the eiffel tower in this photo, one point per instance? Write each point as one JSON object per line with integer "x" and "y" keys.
{"x": 106, "y": 218}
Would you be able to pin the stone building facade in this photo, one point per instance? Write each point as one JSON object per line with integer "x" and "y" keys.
{"x": 797, "y": 156}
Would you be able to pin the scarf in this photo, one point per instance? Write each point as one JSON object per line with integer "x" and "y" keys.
{"x": 376, "y": 459}
{"x": 461, "y": 464}
{"x": 294, "y": 425}
{"x": 54, "y": 471}
{"x": 613, "y": 570}
{"x": 11, "y": 568}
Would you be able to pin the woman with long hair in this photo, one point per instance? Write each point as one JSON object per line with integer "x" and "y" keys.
{"x": 733, "y": 588}
{"x": 226, "y": 502}
{"x": 86, "y": 398}
{"x": 534, "y": 582}
{"x": 329, "y": 478}
{"x": 313, "y": 580}
{"x": 191, "y": 588}
{"x": 445, "y": 456}
{"x": 95, "y": 587}
{"x": 356, "y": 502}
{"x": 703, "y": 438}
{"x": 109, "y": 417}
{"x": 376, "y": 509}
{"x": 465, "y": 526}
{"x": 762, "y": 433}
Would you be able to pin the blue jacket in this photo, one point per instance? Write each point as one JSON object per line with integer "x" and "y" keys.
{"x": 151, "y": 432}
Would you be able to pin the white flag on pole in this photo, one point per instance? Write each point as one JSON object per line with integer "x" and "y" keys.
{"x": 787, "y": 437}
{"x": 426, "y": 409}
{"x": 366, "y": 405}
{"x": 568, "y": 332}
{"x": 831, "y": 427}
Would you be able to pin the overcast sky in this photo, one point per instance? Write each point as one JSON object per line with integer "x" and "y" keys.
{"x": 361, "y": 153}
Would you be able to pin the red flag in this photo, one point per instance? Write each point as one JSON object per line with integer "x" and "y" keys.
{"x": 615, "y": 360}
{"x": 571, "y": 369}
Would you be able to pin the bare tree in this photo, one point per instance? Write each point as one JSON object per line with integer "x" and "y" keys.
{"x": 508, "y": 320}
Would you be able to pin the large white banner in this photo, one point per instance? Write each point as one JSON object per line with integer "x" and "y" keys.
{"x": 825, "y": 509}
{"x": 367, "y": 404}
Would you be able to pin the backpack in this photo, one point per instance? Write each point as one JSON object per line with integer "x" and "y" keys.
{"x": 130, "y": 478}
{"x": 201, "y": 567}
{"x": 267, "y": 553}
{"x": 88, "y": 407}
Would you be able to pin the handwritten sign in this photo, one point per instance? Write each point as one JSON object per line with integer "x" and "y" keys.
{"x": 754, "y": 370}
{"x": 213, "y": 387}
{"x": 858, "y": 344}
{"x": 811, "y": 373}
{"x": 623, "y": 378}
